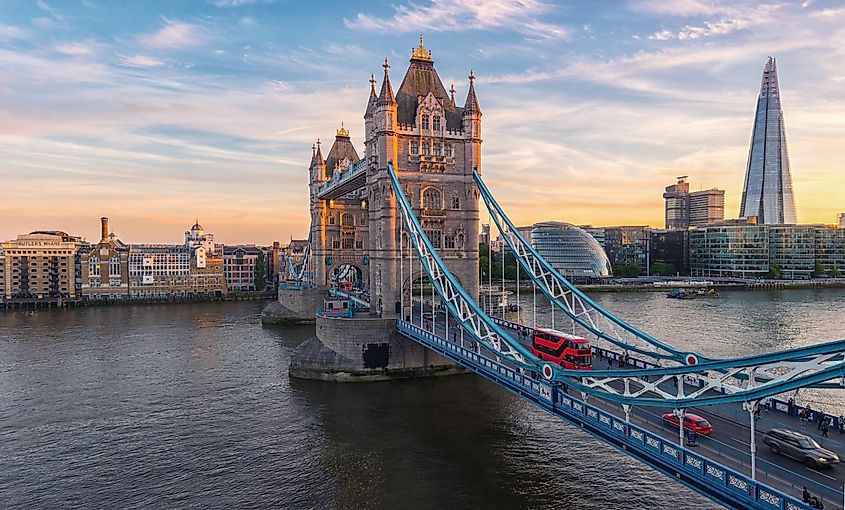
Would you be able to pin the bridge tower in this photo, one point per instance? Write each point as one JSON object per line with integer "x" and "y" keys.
{"x": 434, "y": 144}
{"x": 339, "y": 231}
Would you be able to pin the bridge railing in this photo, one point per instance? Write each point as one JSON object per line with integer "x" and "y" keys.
{"x": 346, "y": 313}
{"x": 696, "y": 471}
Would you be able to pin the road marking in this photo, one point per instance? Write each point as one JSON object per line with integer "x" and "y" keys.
{"x": 740, "y": 441}
{"x": 820, "y": 473}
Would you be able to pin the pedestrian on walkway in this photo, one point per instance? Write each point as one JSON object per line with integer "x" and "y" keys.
{"x": 841, "y": 423}
{"x": 790, "y": 407}
{"x": 821, "y": 417}
{"x": 802, "y": 417}
{"x": 825, "y": 426}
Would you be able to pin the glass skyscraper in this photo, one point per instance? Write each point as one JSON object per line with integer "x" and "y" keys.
{"x": 767, "y": 193}
{"x": 570, "y": 250}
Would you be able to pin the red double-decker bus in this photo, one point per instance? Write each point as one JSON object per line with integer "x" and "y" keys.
{"x": 568, "y": 351}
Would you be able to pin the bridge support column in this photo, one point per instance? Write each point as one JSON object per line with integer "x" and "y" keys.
{"x": 680, "y": 413}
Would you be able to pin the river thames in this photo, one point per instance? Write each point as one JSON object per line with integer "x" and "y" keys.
{"x": 191, "y": 406}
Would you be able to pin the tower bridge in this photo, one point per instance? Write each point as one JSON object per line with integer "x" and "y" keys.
{"x": 394, "y": 237}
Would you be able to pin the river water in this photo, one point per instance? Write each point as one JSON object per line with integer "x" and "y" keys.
{"x": 191, "y": 406}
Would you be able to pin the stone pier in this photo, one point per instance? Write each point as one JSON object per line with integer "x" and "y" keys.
{"x": 294, "y": 306}
{"x": 364, "y": 349}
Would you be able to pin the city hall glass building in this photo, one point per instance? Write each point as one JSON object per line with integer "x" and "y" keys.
{"x": 570, "y": 250}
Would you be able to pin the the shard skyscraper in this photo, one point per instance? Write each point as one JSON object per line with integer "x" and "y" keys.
{"x": 768, "y": 193}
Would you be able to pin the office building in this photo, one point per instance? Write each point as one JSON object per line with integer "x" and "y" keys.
{"x": 793, "y": 252}
{"x": 242, "y": 265}
{"x": 698, "y": 208}
{"x": 669, "y": 252}
{"x": 571, "y": 251}
{"x": 767, "y": 192}
{"x": 627, "y": 249}
{"x": 40, "y": 268}
{"x": 105, "y": 268}
{"x": 842, "y": 220}
{"x": 190, "y": 270}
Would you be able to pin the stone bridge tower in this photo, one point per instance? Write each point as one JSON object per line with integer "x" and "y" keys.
{"x": 339, "y": 231}
{"x": 434, "y": 144}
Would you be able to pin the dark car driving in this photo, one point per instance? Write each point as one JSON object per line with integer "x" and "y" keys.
{"x": 800, "y": 447}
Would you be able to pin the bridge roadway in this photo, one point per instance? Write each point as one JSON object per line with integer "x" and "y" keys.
{"x": 729, "y": 444}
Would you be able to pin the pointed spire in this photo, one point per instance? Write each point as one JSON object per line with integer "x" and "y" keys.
{"x": 371, "y": 102}
{"x": 420, "y": 53}
{"x": 313, "y": 154}
{"x": 386, "y": 95}
{"x": 452, "y": 93}
{"x": 471, "y": 105}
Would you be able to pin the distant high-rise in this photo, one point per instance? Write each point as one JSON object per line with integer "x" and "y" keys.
{"x": 699, "y": 208}
{"x": 767, "y": 193}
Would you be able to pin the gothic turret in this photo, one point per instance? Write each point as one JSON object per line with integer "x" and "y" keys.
{"x": 386, "y": 96}
{"x": 471, "y": 115}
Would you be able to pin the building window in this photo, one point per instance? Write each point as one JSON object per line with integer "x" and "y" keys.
{"x": 425, "y": 149}
{"x": 456, "y": 203}
{"x": 447, "y": 150}
{"x": 450, "y": 242}
{"x": 347, "y": 220}
{"x": 331, "y": 219}
{"x": 432, "y": 198}
{"x": 436, "y": 149}
{"x": 425, "y": 121}
{"x": 114, "y": 267}
{"x": 93, "y": 266}
{"x": 435, "y": 237}
{"x": 436, "y": 123}
{"x": 415, "y": 147}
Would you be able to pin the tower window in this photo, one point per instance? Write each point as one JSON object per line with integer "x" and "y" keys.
{"x": 425, "y": 121}
{"x": 425, "y": 148}
{"x": 447, "y": 150}
{"x": 436, "y": 123}
{"x": 415, "y": 147}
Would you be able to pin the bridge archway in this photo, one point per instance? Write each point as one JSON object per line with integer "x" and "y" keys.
{"x": 345, "y": 271}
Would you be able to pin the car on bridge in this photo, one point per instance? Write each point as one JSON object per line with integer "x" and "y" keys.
{"x": 691, "y": 422}
{"x": 800, "y": 447}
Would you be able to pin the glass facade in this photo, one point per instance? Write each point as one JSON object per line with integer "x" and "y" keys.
{"x": 767, "y": 193}
{"x": 628, "y": 246}
{"x": 570, "y": 250}
{"x": 750, "y": 251}
{"x": 732, "y": 250}
{"x": 793, "y": 249}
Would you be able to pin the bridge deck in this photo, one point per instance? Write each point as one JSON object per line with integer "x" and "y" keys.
{"x": 729, "y": 443}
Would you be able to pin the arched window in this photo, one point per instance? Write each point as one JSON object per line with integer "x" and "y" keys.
{"x": 415, "y": 147}
{"x": 94, "y": 266}
{"x": 436, "y": 123}
{"x": 436, "y": 151}
{"x": 425, "y": 121}
{"x": 425, "y": 148}
{"x": 432, "y": 199}
{"x": 347, "y": 220}
{"x": 456, "y": 203}
{"x": 447, "y": 150}
{"x": 114, "y": 267}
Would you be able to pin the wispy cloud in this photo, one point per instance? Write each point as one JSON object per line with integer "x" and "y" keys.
{"x": 139, "y": 61}
{"x": 173, "y": 34}
{"x": 12, "y": 32}
{"x": 74, "y": 49}
{"x": 522, "y": 16}
{"x": 707, "y": 29}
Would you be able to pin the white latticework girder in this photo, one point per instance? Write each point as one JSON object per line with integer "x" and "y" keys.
{"x": 457, "y": 300}
{"x": 582, "y": 310}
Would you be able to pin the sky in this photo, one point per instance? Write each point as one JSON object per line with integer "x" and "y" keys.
{"x": 155, "y": 113}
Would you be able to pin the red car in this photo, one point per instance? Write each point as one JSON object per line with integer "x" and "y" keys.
{"x": 691, "y": 422}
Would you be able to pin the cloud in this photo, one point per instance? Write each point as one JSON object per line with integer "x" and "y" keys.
{"x": 74, "y": 49}
{"x": 239, "y": 3}
{"x": 12, "y": 32}
{"x": 139, "y": 61}
{"x": 680, "y": 8}
{"x": 173, "y": 35}
{"x": 721, "y": 27}
{"x": 522, "y": 16}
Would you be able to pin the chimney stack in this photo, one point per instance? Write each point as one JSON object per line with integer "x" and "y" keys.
{"x": 104, "y": 227}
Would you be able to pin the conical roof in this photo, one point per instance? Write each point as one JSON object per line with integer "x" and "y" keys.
{"x": 420, "y": 79}
{"x": 472, "y": 101}
{"x": 386, "y": 97}
{"x": 341, "y": 148}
